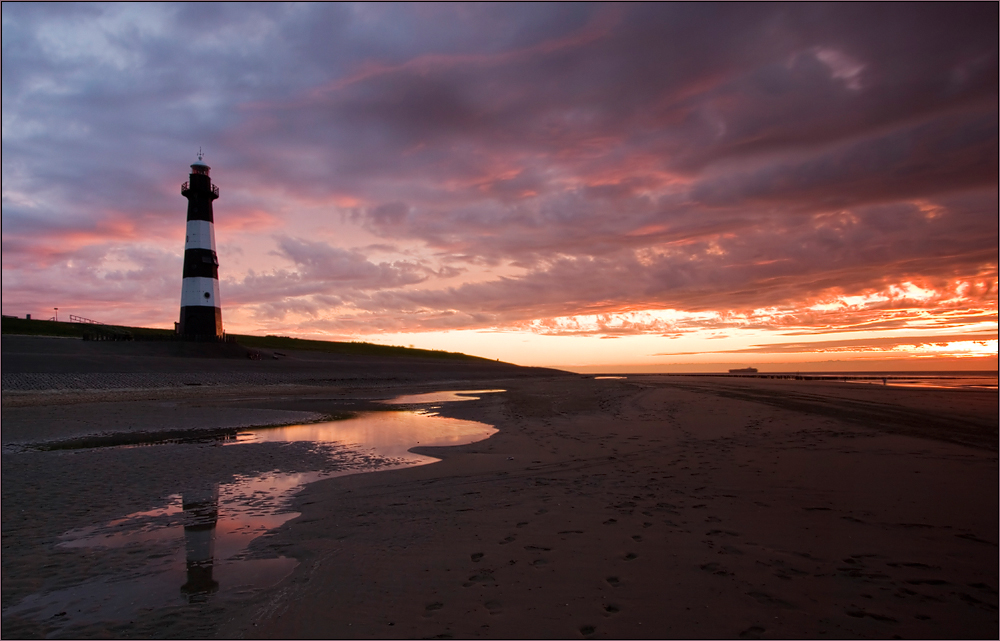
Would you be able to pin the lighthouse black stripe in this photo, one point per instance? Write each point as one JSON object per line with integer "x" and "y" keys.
{"x": 200, "y": 196}
{"x": 201, "y": 263}
{"x": 200, "y": 208}
{"x": 201, "y": 270}
{"x": 201, "y": 321}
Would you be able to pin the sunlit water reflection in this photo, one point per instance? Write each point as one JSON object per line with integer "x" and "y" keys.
{"x": 195, "y": 544}
{"x": 386, "y": 434}
{"x": 440, "y": 397}
{"x": 940, "y": 382}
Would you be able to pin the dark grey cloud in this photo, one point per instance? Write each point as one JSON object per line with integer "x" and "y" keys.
{"x": 688, "y": 156}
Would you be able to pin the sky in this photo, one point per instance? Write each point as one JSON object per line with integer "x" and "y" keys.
{"x": 596, "y": 187}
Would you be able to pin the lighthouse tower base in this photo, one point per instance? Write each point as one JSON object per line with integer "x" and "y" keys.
{"x": 200, "y": 323}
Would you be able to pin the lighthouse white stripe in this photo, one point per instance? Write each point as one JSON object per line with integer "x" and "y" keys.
{"x": 200, "y": 235}
{"x": 194, "y": 289}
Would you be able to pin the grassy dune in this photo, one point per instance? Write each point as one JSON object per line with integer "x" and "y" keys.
{"x": 371, "y": 349}
{"x": 78, "y": 330}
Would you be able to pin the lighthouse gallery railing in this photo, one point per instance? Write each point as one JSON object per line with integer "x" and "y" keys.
{"x": 185, "y": 186}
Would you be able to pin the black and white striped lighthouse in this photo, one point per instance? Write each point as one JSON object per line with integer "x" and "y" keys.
{"x": 201, "y": 314}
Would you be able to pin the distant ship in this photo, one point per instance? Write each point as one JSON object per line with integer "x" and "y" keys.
{"x": 745, "y": 370}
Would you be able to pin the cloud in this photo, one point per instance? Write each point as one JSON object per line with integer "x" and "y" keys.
{"x": 322, "y": 277}
{"x": 512, "y": 166}
{"x": 943, "y": 342}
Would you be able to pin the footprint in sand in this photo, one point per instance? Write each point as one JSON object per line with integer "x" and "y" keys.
{"x": 631, "y": 556}
{"x": 437, "y": 605}
{"x": 753, "y": 632}
{"x": 859, "y": 614}
{"x": 494, "y": 607}
{"x": 509, "y": 539}
{"x": 716, "y": 568}
{"x": 611, "y": 608}
{"x": 922, "y": 566}
{"x": 637, "y": 538}
{"x": 927, "y": 582}
{"x": 982, "y": 586}
{"x": 485, "y": 577}
{"x": 613, "y": 581}
{"x": 476, "y": 556}
{"x": 766, "y": 599}
{"x": 587, "y": 630}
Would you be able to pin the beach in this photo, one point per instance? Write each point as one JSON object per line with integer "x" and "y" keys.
{"x": 639, "y": 507}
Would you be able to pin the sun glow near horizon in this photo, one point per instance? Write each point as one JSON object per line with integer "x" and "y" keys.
{"x": 785, "y": 189}
{"x": 907, "y": 325}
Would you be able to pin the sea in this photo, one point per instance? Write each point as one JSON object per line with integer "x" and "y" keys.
{"x": 986, "y": 380}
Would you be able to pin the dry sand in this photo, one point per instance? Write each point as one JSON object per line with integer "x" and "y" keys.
{"x": 649, "y": 507}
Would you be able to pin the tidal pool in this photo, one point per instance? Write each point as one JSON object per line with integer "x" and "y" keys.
{"x": 193, "y": 544}
{"x": 957, "y": 380}
{"x": 440, "y": 397}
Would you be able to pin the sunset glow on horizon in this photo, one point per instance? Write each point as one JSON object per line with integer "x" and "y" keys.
{"x": 650, "y": 187}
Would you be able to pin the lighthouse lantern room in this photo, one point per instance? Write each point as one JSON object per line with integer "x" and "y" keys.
{"x": 201, "y": 311}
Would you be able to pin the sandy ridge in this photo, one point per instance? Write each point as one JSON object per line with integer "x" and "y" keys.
{"x": 649, "y": 507}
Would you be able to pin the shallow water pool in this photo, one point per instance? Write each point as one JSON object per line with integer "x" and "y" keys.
{"x": 192, "y": 545}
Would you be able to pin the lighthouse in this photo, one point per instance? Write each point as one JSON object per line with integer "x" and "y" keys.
{"x": 201, "y": 314}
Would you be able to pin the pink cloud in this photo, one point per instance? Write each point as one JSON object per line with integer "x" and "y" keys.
{"x": 514, "y": 166}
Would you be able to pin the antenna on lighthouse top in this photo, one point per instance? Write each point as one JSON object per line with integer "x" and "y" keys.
{"x": 200, "y": 163}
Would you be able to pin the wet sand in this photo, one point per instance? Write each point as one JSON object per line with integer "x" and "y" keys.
{"x": 663, "y": 507}
{"x": 638, "y": 508}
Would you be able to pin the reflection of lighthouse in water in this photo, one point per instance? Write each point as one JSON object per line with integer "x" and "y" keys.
{"x": 201, "y": 512}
